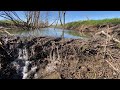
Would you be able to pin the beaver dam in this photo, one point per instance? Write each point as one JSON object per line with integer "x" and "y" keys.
{"x": 48, "y": 57}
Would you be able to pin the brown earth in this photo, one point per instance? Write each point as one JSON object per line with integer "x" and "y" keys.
{"x": 58, "y": 58}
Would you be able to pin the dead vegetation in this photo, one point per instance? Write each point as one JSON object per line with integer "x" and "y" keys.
{"x": 94, "y": 58}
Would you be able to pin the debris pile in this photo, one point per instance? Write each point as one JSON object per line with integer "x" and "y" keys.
{"x": 56, "y": 58}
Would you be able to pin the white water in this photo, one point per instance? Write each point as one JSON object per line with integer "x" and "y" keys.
{"x": 21, "y": 64}
{"x": 23, "y": 54}
{"x": 25, "y": 68}
{"x": 20, "y": 54}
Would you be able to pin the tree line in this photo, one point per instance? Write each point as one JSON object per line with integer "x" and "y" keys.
{"x": 33, "y": 19}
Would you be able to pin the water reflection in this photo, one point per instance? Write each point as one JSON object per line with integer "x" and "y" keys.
{"x": 48, "y": 32}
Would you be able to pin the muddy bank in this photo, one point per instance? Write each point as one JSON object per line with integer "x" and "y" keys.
{"x": 55, "y": 58}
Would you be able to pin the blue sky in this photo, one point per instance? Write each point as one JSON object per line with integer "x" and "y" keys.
{"x": 82, "y": 15}
{"x": 79, "y": 15}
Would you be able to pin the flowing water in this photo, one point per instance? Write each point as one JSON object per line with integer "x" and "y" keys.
{"x": 22, "y": 65}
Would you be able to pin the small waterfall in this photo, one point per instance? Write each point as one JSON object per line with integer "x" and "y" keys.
{"x": 22, "y": 65}
{"x": 20, "y": 54}
{"x": 23, "y": 54}
{"x": 28, "y": 68}
{"x": 27, "y": 73}
{"x": 25, "y": 69}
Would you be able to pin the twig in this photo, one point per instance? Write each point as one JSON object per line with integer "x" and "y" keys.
{"x": 8, "y": 33}
{"x": 0, "y": 43}
{"x": 102, "y": 32}
{"x": 4, "y": 30}
{"x": 112, "y": 66}
{"x": 105, "y": 48}
{"x": 106, "y": 42}
{"x": 111, "y": 63}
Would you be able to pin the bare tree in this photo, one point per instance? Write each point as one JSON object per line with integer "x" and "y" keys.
{"x": 62, "y": 15}
{"x": 13, "y": 16}
{"x": 28, "y": 16}
{"x": 33, "y": 18}
{"x": 10, "y": 15}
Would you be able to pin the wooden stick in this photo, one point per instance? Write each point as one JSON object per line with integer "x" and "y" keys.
{"x": 0, "y": 43}
{"x": 112, "y": 66}
{"x": 116, "y": 40}
{"x": 102, "y": 32}
{"x": 6, "y": 32}
{"x": 117, "y": 70}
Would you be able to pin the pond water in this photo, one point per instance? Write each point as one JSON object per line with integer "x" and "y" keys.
{"x": 48, "y": 32}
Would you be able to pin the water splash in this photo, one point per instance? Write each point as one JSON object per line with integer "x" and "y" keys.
{"x": 23, "y": 54}
{"x": 21, "y": 63}
{"x": 23, "y": 66}
{"x": 20, "y": 54}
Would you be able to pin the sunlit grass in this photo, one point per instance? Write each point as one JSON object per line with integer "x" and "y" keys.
{"x": 92, "y": 22}
{"x": 8, "y": 21}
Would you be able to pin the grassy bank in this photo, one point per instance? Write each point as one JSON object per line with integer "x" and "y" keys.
{"x": 9, "y": 22}
{"x": 77, "y": 24}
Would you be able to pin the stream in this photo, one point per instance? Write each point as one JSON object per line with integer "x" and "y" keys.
{"x": 48, "y": 32}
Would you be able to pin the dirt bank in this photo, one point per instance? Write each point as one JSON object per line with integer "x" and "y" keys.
{"x": 56, "y": 58}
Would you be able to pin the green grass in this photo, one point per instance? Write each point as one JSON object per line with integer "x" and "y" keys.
{"x": 8, "y": 21}
{"x": 92, "y": 22}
